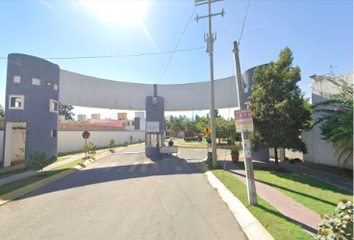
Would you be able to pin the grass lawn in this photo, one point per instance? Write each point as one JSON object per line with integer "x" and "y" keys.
{"x": 27, "y": 181}
{"x": 317, "y": 195}
{"x": 21, "y": 170}
{"x": 342, "y": 172}
{"x": 278, "y": 225}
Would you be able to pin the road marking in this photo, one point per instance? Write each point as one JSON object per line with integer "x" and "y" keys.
{"x": 119, "y": 169}
{"x": 132, "y": 168}
{"x": 130, "y": 153}
{"x": 109, "y": 167}
{"x": 144, "y": 167}
{"x": 155, "y": 168}
{"x": 178, "y": 168}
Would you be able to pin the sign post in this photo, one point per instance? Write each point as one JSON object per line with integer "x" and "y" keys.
{"x": 207, "y": 131}
{"x": 245, "y": 125}
{"x": 86, "y": 135}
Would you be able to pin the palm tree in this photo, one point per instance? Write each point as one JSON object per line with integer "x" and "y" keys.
{"x": 189, "y": 126}
{"x": 176, "y": 124}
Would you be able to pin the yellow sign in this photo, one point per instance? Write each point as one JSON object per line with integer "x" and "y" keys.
{"x": 207, "y": 130}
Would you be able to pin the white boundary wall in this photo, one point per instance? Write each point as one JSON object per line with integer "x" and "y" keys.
{"x": 70, "y": 141}
{"x": 1, "y": 144}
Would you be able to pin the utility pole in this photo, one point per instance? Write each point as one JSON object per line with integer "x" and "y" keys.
{"x": 209, "y": 39}
{"x": 251, "y": 186}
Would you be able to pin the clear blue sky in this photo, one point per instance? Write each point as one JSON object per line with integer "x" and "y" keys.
{"x": 320, "y": 34}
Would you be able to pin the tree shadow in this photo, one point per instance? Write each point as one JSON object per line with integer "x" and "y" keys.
{"x": 168, "y": 165}
{"x": 284, "y": 188}
{"x": 309, "y": 229}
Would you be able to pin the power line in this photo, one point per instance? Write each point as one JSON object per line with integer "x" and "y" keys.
{"x": 184, "y": 30}
{"x": 172, "y": 42}
{"x": 243, "y": 24}
{"x": 119, "y": 56}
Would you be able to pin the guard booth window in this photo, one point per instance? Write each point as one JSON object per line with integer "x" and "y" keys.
{"x": 153, "y": 140}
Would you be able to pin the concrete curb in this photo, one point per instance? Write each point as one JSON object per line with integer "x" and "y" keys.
{"x": 249, "y": 224}
{"x": 224, "y": 147}
{"x": 34, "y": 186}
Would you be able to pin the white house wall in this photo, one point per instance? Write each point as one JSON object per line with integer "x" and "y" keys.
{"x": 323, "y": 152}
{"x": 70, "y": 141}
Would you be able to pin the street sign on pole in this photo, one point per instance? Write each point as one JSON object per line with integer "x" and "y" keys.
{"x": 207, "y": 130}
{"x": 243, "y": 120}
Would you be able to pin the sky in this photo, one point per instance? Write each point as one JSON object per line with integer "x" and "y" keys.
{"x": 319, "y": 32}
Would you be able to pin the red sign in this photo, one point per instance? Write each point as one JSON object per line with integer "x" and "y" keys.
{"x": 243, "y": 120}
{"x": 86, "y": 135}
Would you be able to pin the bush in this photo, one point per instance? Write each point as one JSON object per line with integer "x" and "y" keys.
{"x": 126, "y": 143}
{"x": 191, "y": 139}
{"x": 90, "y": 148}
{"x": 111, "y": 143}
{"x": 234, "y": 151}
{"x": 338, "y": 225}
{"x": 39, "y": 159}
{"x": 208, "y": 139}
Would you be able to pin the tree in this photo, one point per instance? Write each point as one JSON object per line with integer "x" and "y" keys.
{"x": 189, "y": 125}
{"x": 67, "y": 111}
{"x": 336, "y": 123}
{"x": 177, "y": 124}
{"x": 278, "y": 106}
{"x": 39, "y": 159}
{"x": 2, "y": 111}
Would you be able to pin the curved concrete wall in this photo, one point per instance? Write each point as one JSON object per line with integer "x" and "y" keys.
{"x": 87, "y": 91}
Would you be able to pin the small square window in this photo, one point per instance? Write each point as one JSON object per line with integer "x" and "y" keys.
{"x": 53, "y": 106}
{"x": 36, "y": 81}
{"x": 17, "y": 79}
{"x": 53, "y": 133}
{"x": 56, "y": 87}
{"x": 16, "y": 102}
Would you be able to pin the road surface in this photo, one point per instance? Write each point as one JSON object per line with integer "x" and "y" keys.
{"x": 125, "y": 196}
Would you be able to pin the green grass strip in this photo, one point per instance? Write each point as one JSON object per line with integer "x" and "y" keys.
{"x": 319, "y": 196}
{"x": 17, "y": 171}
{"x": 341, "y": 172}
{"x": 32, "y": 179}
{"x": 278, "y": 225}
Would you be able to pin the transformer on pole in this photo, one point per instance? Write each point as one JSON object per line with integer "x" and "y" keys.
{"x": 209, "y": 39}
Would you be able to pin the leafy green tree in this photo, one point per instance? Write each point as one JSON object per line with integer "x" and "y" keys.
{"x": 67, "y": 111}
{"x": 2, "y": 111}
{"x": 39, "y": 159}
{"x": 336, "y": 123}
{"x": 278, "y": 106}
{"x": 111, "y": 143}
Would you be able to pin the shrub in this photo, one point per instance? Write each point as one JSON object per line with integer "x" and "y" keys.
{"x": 208, "y": 139}
{"x": 191, "y": 139}
{"x": 126, "y": 143}
{"x": 139, "y": 140}
{"x": 39, "y": 159}
{"x": 111, "y": 143}
{"x": 234, "y": 151}
{"x": 338, "y": 225}
{"x": 90, "y": 148}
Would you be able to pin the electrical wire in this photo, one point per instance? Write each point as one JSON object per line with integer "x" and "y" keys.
{"x": 173, "y": 40}
{"x": 184, "y": 30}
{"x": 243, "y": 24}
{"x": 120, "y": 56}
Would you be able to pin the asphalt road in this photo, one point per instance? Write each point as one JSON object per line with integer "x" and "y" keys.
{"x": 125, "y": 196}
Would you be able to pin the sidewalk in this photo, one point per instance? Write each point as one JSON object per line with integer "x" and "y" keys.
{"x": 20, "y": 176}
{"x": 300, "y": 214}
